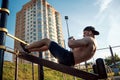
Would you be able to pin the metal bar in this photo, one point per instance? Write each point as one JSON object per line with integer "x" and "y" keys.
{"x": 10, "y": 51}
{"x": 15, "y": 52}
{"x": 40, "y": 69}
{"x": 66, "y": 18}
{"x": 16, "y": 67}
{"x": 113, "y": 58}
{"x": 59, "y": 67}
{"x": 56, "y": 66}
{"x": 32, "y": 71}
{"x": 108, "y": 47}
{"x": 3, "y": 21}
{"x": 17, "y": 38}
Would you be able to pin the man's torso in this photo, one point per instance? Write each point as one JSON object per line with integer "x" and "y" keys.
{"x": 84, "y": 53}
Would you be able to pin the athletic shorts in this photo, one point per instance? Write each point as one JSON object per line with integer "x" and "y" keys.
{"x": 64, "y": 56}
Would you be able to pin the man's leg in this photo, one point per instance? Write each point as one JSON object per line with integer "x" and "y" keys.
{"x": 64, "y": 56}
{"x": 41, "y": 45}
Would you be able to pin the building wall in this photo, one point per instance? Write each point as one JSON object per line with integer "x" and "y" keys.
{"x": 37, "y": 20}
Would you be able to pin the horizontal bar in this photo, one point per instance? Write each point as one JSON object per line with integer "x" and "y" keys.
{"x": 10, "y": 51}
{"x": 15, "y": 52}
{"x": 59, "y": 67}
{"x": 17, "y": 39}
{"x": 5, "y": 30}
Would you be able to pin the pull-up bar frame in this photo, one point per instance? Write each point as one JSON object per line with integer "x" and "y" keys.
{"x": 3, "y": 32}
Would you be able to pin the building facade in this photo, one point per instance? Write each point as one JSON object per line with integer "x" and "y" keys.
{"x": 37, "y": 20}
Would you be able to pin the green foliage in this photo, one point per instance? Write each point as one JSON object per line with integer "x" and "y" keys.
{"x": 109, "y": 59}
{"x": 25, "y": 73}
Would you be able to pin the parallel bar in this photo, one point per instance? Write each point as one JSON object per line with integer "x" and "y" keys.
{"x": 17, "y": 38}
{"x": 10, "y": 51}
{"x": 59, "y": 67}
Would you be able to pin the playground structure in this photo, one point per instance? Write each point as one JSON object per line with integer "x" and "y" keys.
{"x": 99, "y": 68}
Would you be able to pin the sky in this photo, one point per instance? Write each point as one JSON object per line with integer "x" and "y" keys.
{"x": 102, "y": 14}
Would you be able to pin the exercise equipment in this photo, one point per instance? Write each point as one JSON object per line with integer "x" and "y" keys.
{"x": 24, "y": 55}
{"x": 4, "y": 12}
{"x": 101, "y": 68}
{"x": 95, "y": 68}
{"x": 24, "y": 47}
{"x": 17, "y": 39}
{"x": 66, "y": 69}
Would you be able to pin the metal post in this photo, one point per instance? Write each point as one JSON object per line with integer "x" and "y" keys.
{"x": 66, "y": 18}
{"x": 32, "y": 71}
{"x": 3, "y": 18}
{"x": 86, "y": 66}
{"x": 16, "y": 68}
{"x": 113, "y": 58}
{"x": 40, "y": 69}
{"x": 64, "y": 44}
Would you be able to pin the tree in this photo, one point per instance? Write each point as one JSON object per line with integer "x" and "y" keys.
{"x": 108, "y": 59}
{"x": 117, "y": 58}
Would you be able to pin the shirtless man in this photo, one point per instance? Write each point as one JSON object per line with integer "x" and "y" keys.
{"x": 82, "y": 49}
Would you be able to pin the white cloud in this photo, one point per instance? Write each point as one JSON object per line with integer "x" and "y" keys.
{"x": 103, "y": 8}
{"x": 103, "y": 4}
{"x": 114, "y": 29}
{"x": 108, "y": 15}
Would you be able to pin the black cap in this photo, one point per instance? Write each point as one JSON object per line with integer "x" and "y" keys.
{"x": 91, "y": 28}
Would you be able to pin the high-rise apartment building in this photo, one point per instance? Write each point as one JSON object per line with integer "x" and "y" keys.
{"x": 37, "y": 20}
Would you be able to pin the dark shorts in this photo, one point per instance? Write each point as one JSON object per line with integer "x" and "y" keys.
{"x": 64, "y": 56}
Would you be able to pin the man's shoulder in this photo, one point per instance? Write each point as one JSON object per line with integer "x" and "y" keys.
{"x": 89, "y": 38}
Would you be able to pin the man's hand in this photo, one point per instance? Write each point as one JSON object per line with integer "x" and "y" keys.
{"x": 71, "y": 38}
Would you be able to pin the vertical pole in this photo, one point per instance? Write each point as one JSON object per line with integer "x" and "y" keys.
{"x": 86, "y": 66}
{"x": 40, "y": 69}
{"x": 113, "y": 58}
{"x": 66, "y": 18}
{"x": 16, "y": 68}
{"x": 64, "y": 75}
{"x": 32, "y": 71}
{"x": 3, "y": 18}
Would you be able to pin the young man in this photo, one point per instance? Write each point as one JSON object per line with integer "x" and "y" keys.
{"x": 82, "y": 49}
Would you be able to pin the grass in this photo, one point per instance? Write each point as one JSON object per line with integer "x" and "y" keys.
{"x": 25, "y": 72}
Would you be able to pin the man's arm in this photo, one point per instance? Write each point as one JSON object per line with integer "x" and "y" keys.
{"x": 71, "y": 38}
{"x": 79, "y": 42}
